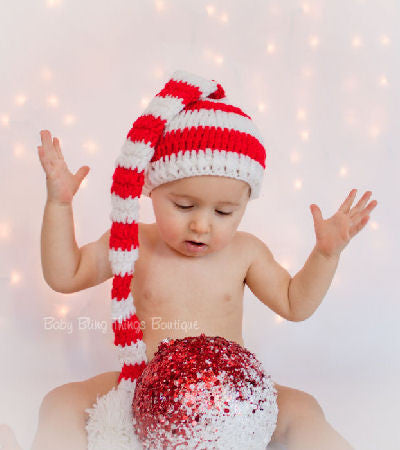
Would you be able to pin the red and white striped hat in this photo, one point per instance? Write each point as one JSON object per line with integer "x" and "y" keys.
{"x": 189, "y": 128}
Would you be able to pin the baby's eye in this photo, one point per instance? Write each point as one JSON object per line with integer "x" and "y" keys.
{"x": 187, "y": 207}
{"x": 183, "y": 207}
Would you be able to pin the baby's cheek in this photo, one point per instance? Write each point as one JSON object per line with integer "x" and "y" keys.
{"x": 175, "y": 227}
{"x": 221, "y": 238}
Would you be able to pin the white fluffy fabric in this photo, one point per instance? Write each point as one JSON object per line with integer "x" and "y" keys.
{"x": 110, "y": 423}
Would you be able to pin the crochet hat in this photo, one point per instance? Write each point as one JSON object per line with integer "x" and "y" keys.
{"x": 189, "y": 128}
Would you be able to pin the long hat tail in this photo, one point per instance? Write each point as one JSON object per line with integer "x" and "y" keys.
{"x": 128, "y": 179}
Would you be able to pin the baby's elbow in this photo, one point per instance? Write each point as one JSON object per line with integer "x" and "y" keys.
{"x": 297, "y": 316}
{"x": 298, "y": 319}
{"x": 58, "y": 287}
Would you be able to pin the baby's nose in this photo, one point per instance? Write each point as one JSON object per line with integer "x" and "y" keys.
{"x": 200, "y": 225}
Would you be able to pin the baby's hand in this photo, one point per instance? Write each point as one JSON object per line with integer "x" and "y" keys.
{"x": 61, "y": 183}
{"x": 335, "y": 233}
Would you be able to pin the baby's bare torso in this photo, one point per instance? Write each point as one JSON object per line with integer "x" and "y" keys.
{"x": 177, "y": 296}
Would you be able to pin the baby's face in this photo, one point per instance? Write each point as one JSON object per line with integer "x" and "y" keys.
{"x": 205, "y": 209}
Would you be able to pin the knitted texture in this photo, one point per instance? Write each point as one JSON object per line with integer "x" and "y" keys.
{"x": 209, "y": 137}
{"x": 128, "y": 181}
{"x": 189, "y": 128}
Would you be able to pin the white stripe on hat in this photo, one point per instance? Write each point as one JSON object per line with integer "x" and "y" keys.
{"x": 213, "y": 118}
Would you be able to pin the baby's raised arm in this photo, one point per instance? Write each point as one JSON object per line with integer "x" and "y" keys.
{"x": 66, "y": 267}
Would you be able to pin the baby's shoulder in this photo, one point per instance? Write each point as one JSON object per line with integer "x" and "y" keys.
{"x": 245, "y": 245}
{"x": 251, "y": 246}
{"x": 245, "y": 240}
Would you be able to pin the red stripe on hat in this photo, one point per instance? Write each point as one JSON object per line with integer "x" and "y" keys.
{"x": 131, "y": 371}
{"x": 181, "y": 89}
{"x": 121, "y": 286}
{"x": 205, "y": 104}
{"x": 148, "y": 128}
{"x": 124, "y": 236}
{"x": 201, "y": 138}
{"x": 219, "y": 93}
{"x": 128, "y": 331}
{"x": 127, "y": 182}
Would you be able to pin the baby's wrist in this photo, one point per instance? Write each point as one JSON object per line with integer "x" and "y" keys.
{"x": 328, "y": 256}
{"x": 55, "y": 202}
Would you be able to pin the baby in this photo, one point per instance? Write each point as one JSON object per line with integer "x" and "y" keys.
{"x": 192, "y": 264}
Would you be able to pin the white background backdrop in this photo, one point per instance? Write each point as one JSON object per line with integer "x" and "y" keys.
{"x": 319, "y": 78}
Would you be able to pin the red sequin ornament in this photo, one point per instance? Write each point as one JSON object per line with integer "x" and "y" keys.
{"x": 204, "y": 392}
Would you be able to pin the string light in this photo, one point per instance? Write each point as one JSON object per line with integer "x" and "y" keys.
{"x": 313, "y": 41}
{"x": 298, "y": 184}
{"x": 383, "y": 81}
{"x": 158, "y": 73}
{"x": 261, "y": 107}
{"x": 210, "y": 10}
{"x": 144, "y": 102}
{"x": 294, "y": 157}
{"x": 5, "y": 120}
{"x": 52, "y": 100}
{"x": 374, "y": 225}
{"x": 356, "y": 41}
{"x": 160, "y": 5}
{"x": 20, "y": 99}
{"x": 69, "y": 119}
{"x": 305, "y": 134}
{"x": 15, "y": 277}
{"x": 279, "y": 319}
{"x": 90, "y": 146}
{"x": 271, "y": 48}
{"x": 343, "y": 171}
{"x": 19, "y": 150}
{"x": 5, "y": 231}
{"x": 374, "y": 131}
{"x": 224, "y": 18}
{"x": 219, "y": 59}
{"x": 215, "y": 57}
{"x": 385, "y": 40}
{"x": 305, "y": 8}
{"x": 301, "y": 114}
{"x": 53, "y": 3}
{"x": 63, "y": 310}
{"x": 46, "y": 74}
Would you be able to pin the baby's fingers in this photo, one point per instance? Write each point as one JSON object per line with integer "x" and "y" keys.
{"x": 45, "y": 136}
{"x": 56, "y": 145}
{"x": 370, "y": 207}
{"x": 49, "y": 149}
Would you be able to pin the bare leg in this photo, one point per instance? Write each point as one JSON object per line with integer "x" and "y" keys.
{"x": 310, "y": 433}
{"x": 302, "y": 424}
{"x": 61, "y": 419}
{"x": 62, "y": 416}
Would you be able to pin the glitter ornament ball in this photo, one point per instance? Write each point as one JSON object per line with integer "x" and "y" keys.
{"x": 204, "y": 392}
